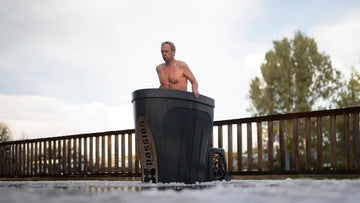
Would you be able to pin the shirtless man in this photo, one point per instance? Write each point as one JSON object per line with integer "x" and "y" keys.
{"x": 173, "y": 74}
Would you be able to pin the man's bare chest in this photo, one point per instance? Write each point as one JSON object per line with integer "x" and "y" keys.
{"x": 172, "y": 75}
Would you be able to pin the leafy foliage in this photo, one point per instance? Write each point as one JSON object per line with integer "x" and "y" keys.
{"x": 295, "y": 77}
{"x": 349, "y": 94}
{"x": 5, "y": 133}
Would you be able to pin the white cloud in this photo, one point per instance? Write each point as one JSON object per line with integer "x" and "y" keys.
{"x": 82, "y": 56}
{"x": 253, "y": 63}
{"x": 37, "y": 116}
{"x": 340, "y": 40}
{"x": 114, "y": 44}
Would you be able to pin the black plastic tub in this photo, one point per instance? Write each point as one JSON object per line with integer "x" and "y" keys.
{"x": 173, "y": 131}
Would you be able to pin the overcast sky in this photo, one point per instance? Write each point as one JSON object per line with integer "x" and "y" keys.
{"x": 70, "y": 66}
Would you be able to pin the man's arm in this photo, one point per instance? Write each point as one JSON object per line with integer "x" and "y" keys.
{"x": 158, "y": 72}
{"x": 190, "y": 76}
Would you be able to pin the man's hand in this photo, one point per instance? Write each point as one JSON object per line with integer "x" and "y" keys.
{"x": 196, "y": 93}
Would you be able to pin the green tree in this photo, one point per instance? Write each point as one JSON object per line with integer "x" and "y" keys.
{"x": 349, "y": 94}
{"x": 5, "y": 133}
{"x": 295, "y": 76}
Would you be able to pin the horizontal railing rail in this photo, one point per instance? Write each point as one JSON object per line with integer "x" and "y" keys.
{"x": 306, "y": 142}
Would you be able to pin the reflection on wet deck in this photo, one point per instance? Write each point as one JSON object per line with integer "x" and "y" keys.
{"x": 98, "y": 187}
{"x": 102, "y": 189}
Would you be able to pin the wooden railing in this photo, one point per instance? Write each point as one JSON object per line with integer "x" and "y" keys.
{"x": 302, "y": 142}
{"x": 308, "y": 142}
{"x": 87, "y": 154}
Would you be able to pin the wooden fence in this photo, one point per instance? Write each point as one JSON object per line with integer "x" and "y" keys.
{"x": 309, "y": 142}
{"x": 87, "y": 154}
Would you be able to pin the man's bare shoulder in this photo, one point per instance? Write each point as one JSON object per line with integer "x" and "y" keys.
{"x": 181, "y": 64}
{"x": 160, "y": 66}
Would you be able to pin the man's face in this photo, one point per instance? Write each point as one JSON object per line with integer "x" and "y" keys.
{"x": 166, "y": 53}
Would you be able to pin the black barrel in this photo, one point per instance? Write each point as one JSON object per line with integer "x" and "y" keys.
{"x": 173, "y": 132}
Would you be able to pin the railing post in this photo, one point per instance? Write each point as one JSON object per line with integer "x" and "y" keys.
{"x": 347, "y": 141}
{"x": 80, "y": 155}
{"x": 26, "y": 159}
{"x": 41, "y": 158}
{"x": 130, "y": 153}
{"x": 12, "y": 160}
{"x": 296, "y": 144}
{"x": 333, "y": 141}
{"x": 52, "y": 157}
{"x": 2, "y": 161}
{"x": 23, "y": 159}
{"x": 117, "y": 153}
{"x": 123, "y": 168}
{"x": 86, "y": 161}
{"x": 6, "y": 159}
{"x": 69, "y": 156}
{"x": 31, "y": 158}
{"x": 59, "y": 157}
{"x": 356, "y": 139}
{"x": 319, "y": 142}
{"x": 249, "y": 147}
{"x": 97, "y": 154}
{"x": 102, "y": 154}
{"x": 49, "y": 151}
{"x": 137, "y": 162}
{"x": 282, "y": 145}
{"x": 36, "y": 158}
{"x": 64, "y": 156}
{"x": 18, "y": 160}
{"x": 46, "y": 157}
{"x": 270, "y": 146}
{"x": 260, "y": 147}
{"x": 239, "y": 146}
{"x": 308, "y": 143}
{"x": 91, "y": 155}
{"x": 220, "y": 136}
{"x": 74, "y": 155}
{"x": 109, "y": 153}
{"x": 230, "y": 148}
